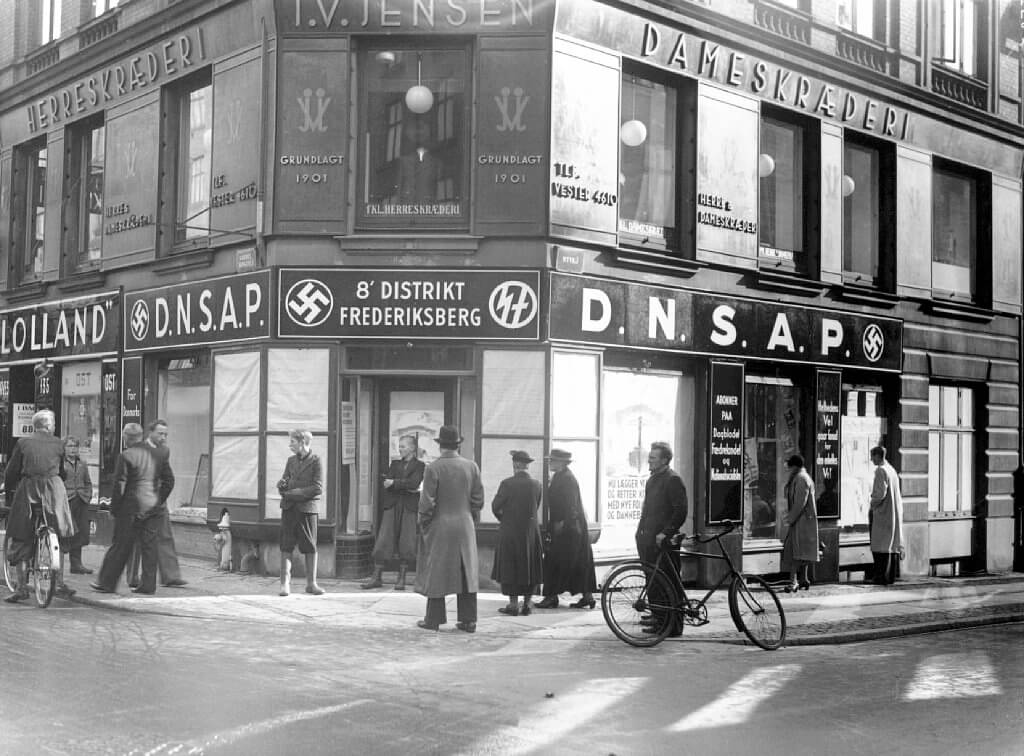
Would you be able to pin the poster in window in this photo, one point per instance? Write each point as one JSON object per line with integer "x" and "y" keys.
{"x": 725, "y": 452}
{"x": 827, "y": 443}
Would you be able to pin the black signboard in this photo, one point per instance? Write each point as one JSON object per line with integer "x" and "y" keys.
{"x": 47, "y": 378}
{"x": 826, "y": 443}
{"x": 725, "y": 452}
{"x": 131, "y": 390}
{"x": 216, "y": 310}
{"x": 5, "y": 413}
{"x": 110, "y": 438}
{"x": 616, "y": 312}
{"x": 63, "y": 328}
{"x": 431, "y": 303}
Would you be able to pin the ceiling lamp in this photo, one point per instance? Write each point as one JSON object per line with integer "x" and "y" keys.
{"x": 418, "y": 98}
{"x": 765, "y": 165}
{"x": 633, "y": 132}
{"x": 848, "y": 185}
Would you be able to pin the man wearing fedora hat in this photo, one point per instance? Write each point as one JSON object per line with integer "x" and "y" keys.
{"x": 518, "y": 565}
{"x": 569, "y": 559}
{"x": 449, "y": 508}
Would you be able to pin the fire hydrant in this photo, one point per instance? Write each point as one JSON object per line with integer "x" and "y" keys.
{"x": 222, "y": 541}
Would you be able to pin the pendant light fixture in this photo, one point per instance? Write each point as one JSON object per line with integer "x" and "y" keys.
{"x": 633, "y": 132}
{"x": 418, "y": 98}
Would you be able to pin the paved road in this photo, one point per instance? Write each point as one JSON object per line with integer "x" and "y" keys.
{"x": 127, "y": 683}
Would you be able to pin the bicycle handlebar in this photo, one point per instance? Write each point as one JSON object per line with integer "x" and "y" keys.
{"x": 679, "y": 537}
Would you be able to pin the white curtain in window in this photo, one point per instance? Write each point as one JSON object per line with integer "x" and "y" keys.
{"x": 236, "y": 392}
{"x": 513, "y": 392}
{"x": 573, "y": 394}
{"x": 298, "y": 382}
{"x": 235, "y": 468}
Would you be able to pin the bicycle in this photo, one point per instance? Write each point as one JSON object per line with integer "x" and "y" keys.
{"x": 9, "y": 576}
{"x": 642, "y": 602}
{"x": 43, "y": 563}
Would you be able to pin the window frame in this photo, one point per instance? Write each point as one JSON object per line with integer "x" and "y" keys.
{"x": 399, "y": 223}
{"x": 939, "y": 430}
{"x": 810, "y": 204}
{"x": 884, "y": 278}
{"x": 956, "y": 60}
{"x": 980, "y": 288}
{"x": 99, "y": 7}
{"x": 28, "y": 218}
{"x": 79, "y": 158}
{"x": 878, "y": 18}
{"x": 49, "y": 25}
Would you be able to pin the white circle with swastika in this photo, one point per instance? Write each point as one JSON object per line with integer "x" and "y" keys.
{"x": 873, "y": 342}
{"x": 513, "y": 304}
{"x": 309, "y": 302}
{"x": 138, "y": 320}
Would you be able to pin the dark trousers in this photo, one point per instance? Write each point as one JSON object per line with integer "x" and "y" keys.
{"x": 437, "y": 614}
{"x": 649, "y": 551}
{"x": 885, "y": 567}
{"x": 147, "y": 534}
{"x": 166, "y": 555}
{"x": 119, "y": 553}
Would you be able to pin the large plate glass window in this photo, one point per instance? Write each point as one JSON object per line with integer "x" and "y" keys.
{"x": 183, "y": 401}
{"x": 413, "y": 136}
{"x": 648, "y": 166}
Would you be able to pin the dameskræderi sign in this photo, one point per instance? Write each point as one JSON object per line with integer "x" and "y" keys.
{"x": 637, "y": 315}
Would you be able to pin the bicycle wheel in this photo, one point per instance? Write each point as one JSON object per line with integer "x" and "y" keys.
{"x": 43, "y": 572}
{"x": 10, "y": 576}
{"x": 625, "y": 601}
{"x": 756, "y": 610}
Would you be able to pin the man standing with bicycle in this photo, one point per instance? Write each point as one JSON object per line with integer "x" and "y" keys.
{"x": 664, "y": 512}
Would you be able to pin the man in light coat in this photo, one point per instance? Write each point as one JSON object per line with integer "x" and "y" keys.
{"x": 886, "y": 519}
{"x": 449, "y": 508}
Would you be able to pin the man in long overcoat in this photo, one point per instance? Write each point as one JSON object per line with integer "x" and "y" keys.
{"x": 886, "y": 519}
{"x": 449, "y": 509}
{"x": 800, "y": 549}
{"x": 518, "y": 565}
{"x": 569, "y": 559}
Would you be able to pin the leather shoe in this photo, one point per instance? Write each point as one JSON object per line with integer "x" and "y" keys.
{"x": 511, "y": 611}
{"x": 466, "y": 627}
{"x": 426, "y": 625}
{"x": 527, "y": 609}
{"x": 99, "y": 588}
{"x": 63, "y": 591}
{"x": 316, "y": 590}
{"x": 179, "y": 583}
{"x": 584, "y": 603}
{"x": 548, "y": 602}
{"x": 141, "y": 592}
{"x": 80, "y": 569}
{"x": 19, "y": 595}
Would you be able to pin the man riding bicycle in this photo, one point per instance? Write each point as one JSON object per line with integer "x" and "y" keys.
{"x": 33, "y": 474}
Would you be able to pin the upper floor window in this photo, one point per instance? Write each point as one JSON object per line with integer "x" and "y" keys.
{"x": 863, "y": 17}
{"x": 787, "y": 166}
{"x": 648, "y": 164}
{"x": 99, "y": 7}
{"x": 190, "y": 108}
{"x": 413, "y": 147}
{"x": 83, "y": 194}
{"x": 959, "y": 44}
{"x": 868, "y": 191}
{"x": 960, "y": 242}
{"x": 29, "y": 210}
{"x": 950, "y": 449}
{"x": 49, "y": 17}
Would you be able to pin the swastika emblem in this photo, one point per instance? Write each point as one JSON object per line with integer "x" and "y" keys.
{"x": 309, "y": 302}
{"x": 873, "y": 342}
{"x": 513, "y": 304}
{"x": 138, "y": 320}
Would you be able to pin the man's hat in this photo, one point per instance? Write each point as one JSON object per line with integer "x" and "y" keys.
{"x": 560, "y": 455}
{"x": 448, "y": 434}
{"x": 520, "y": 456}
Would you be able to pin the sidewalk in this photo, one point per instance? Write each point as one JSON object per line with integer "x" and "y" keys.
{"x": 836, "y": 613}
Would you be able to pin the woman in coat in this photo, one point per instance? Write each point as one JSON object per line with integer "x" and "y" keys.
{"x": 800, "y": 549}
{"x": 450, "y": 504}
{"x": 518, "y": 565}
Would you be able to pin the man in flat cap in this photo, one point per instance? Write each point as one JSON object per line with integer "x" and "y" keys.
{"x": 450, "y": 503}
{"x": 518, "y": 564}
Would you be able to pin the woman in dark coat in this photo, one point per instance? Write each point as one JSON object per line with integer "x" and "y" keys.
{"x": 569, "y": 559}
{"x": 518, "y": 564}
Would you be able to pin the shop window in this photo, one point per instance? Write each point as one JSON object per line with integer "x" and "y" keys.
{"x": 961, "y": 35}
{"x": 774, "y": 430}
{"x": 787, "y": 165}
{"x": 950, "y": 449}
{"x": 49, "y": 20}
{"x": 189, "y": 122}
{"x": 639, "y": 407}
{"x": 183, "y": 401}
{"x": 83, "y": 195}
{"x": 413, "y": 150}
{"x": 574, "y": 418}
{"x": 863, "y": 426}
{"x": 648, "y": 164}
{"x": 960, "y": 236}
{"x": 868, "y": 191}
{"x": 863, "y": 17}
{"x": 81, "y": 413}
{"x": 511, "y": 414}
{"x": 29, "y": 211}
{"x": 298, "y": 391}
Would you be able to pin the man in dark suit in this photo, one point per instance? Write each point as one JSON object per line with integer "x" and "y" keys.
{"x": 134, "y": 496}
{"x": 166, "y": 554}
{"x": 518, "y": 565}
{"x": 664, "y": 512}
